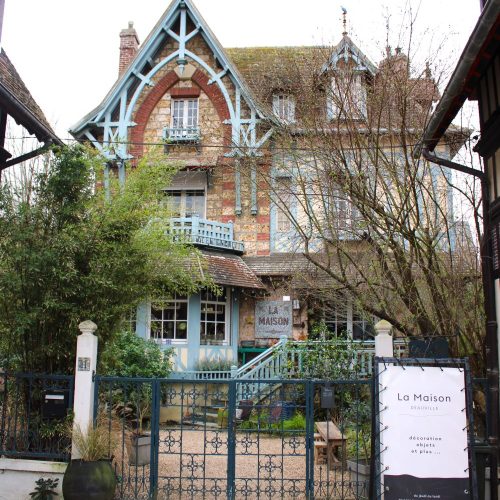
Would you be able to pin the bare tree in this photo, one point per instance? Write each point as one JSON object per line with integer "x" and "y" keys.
{"x": 352, "y": 198}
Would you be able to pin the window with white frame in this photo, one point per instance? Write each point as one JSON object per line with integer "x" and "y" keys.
{"x": 362, "y": 327}
{"x": 169, "y": 320}
{"x": 347, "y": 97}
{"x": 184, "y": 118}
{"x": 284, "y": 107}
{"x": 335, "y": 318}
{"x": 344, "y": 216}
{"x": 283, "y": 199}
{"x": 214, "y": 318}
{"x": 341, "y": 320}
{"x": 186, "y": 202}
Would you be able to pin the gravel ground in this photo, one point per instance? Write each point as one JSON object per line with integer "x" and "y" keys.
{"x": 193, "y": 465}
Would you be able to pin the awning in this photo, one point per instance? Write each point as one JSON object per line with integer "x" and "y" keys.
{"x": 230, "y": 270}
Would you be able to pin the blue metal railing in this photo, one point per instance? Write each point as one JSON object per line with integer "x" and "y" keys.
{"x": 205, "y": 232}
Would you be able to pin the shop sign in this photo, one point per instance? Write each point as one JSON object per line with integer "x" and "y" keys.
{"x": 273, "y": 319}
{"x": 423, "y": 432}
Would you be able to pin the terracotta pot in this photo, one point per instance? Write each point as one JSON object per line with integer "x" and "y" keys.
{"x": 89, "y": 480}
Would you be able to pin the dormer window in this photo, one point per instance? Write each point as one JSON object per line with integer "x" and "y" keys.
{"x": 347, "y": 98}
{"x": 284, "y": 107}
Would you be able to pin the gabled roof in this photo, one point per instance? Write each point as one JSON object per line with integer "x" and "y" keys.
{"x": 147, "y": 49}
{"x": 267, "y": 69}
{"x": 17, "y": 101}
{"x": 347, "y": 49}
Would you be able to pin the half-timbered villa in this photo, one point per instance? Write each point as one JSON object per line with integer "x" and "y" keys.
{"x": 215, "y": 110}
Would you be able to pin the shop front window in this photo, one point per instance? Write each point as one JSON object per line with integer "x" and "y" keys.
{"x": 169, "y": 321}
{"x": 214, "y": 318}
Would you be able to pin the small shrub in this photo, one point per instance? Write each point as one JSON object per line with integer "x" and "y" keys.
{"x": 132, "y": 356}
{"x": 45, "y": 489}
{"x": 296, "y": 423}
{"x": 99, "y": 441}
{"x": 214, "y": 365}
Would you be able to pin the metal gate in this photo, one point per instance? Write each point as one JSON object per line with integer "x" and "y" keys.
{"x": 234, "y": 439}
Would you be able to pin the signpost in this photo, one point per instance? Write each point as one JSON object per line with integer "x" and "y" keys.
{"x": 273, "y": 319}
{"x": 423, "y": 425}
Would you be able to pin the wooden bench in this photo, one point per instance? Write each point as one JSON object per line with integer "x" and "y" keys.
{"x": 329, "y": 445}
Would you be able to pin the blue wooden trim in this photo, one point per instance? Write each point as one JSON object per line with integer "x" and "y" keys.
{"x": 193, "y": 343}
{"x": 235, "y": 322}
{"x": 278, "y": 240}
{"x": 118, "y": 96}
{"x": 237, "y": 182}
{"x": 253, "y": 182}
{"x": 142, "y": 320}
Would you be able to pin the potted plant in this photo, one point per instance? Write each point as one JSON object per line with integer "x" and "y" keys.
{"x": 91, "y": 477}
{"x": 139, "y": 441}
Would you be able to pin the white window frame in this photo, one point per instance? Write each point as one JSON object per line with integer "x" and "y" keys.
{"x": 183, "y": 127}
{"x": 283, "y": 204}
{"x": 347, "y": 98}
{"x": 184, "y": 196}
{"x": 342, "y": 204}
{"x": 164, "y": 305}
{"x": 284, "y": 107}
{"x": 227, "y": 318}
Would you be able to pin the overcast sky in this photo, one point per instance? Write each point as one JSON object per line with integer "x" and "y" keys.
{"x": 66, "y": 51}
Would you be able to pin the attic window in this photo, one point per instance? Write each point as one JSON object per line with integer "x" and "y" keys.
{"x": 284, "y": 107}
{"x": 347, "y": 98}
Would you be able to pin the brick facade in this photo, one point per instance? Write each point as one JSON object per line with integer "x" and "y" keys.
{"x": 154, "y": 114}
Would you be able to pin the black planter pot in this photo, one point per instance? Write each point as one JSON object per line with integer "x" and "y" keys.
{"x": 89, "y": 481}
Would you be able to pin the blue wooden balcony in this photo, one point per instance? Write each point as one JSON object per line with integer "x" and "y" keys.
{"x": 206, "y": 233}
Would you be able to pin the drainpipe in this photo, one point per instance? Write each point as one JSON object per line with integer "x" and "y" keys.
{"x": 490, "y": 309}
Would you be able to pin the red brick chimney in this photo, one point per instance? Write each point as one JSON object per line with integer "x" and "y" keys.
{"x": 129, "y": 43}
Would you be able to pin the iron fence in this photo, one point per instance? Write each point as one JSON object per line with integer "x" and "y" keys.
{"x": 290, "y": 439}
{"x": 35, "y": 411}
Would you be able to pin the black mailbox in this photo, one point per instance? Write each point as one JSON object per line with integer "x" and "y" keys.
{"x": 55, "y": 404}
{"x": 327, "y": 397}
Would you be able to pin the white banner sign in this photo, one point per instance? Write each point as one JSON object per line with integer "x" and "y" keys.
{"x": 423, "y": 423}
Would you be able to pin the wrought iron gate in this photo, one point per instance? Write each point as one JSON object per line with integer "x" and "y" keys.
{"x": 234, "y": 439}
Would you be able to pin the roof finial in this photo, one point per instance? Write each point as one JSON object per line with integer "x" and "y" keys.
{"x": 387, "y": 46}
{"x": 344, "y": 20}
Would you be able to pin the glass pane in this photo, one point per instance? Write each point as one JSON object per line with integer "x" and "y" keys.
{"x": 221, "y": 313}
{"x": 156, "y": 314}
{"x": 181, "y": 332}
{"x": 175, "y": 202}
{"x": 169, "y": 312}
{"x": 178, "y": 113}
{"x": 192, "y": 113}
{"x": 202, "y": 330}
{"x": 210, "y": 331}
{"x": 221, "y": 331}
{"x": 182, "y": 311}
{"x": 168, "y": 330}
